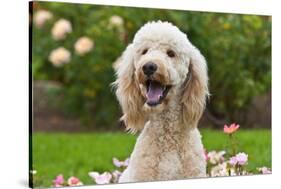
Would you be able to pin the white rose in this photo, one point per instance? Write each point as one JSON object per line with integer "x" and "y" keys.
{"x": 219, "y": 170}
{"x": 116, "y": 21}
{"x": 59, "y": 56}
{"x": 83, "y": 45}
{"x": 41, "y": 16}
{"x": 61, "y": 28}
{"x": 216, "y": 157}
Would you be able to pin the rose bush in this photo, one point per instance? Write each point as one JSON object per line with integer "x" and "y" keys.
{"x": 237, "y": 48}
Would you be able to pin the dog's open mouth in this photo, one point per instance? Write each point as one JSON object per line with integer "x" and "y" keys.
{"x": 156, "y": 92}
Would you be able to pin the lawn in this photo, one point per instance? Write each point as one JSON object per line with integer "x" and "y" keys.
{"x": 77, "y": 154}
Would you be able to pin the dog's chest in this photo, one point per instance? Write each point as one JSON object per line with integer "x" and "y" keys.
{"x": 162, "y": 155}
{"x": 169, "y": 154}
{"x": 170, "y": 166}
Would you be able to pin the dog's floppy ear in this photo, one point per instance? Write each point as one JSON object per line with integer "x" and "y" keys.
{"x": 195, "y": 89}
{"x": 128, "y": 92}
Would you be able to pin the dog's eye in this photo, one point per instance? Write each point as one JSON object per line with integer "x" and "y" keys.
{"x": 144, "y": 51}
{"x": 171, "y": 53}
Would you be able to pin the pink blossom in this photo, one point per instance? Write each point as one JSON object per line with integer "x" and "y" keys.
{"x": 73, "y": 181}
{"x": 206, "y": 155}
{"x": 119, "y": 163}
{"x": 233, "y": 161}
{"x": 126, "y": 162}
{"x": 41, "y": 17}
{"x": 241, "y": 158}
{"x": 101, "y": 178}
{"x": 59, "y": 56}
{"x": 230, "y": 129}
{"x": 264, "y": 170}
{"x": 61, "y": 28}
{"x": 59, "y": 180}
{"x": 83, "y": 45}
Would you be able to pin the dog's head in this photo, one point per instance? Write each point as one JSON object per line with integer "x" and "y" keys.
{"x": 160, "y": 68}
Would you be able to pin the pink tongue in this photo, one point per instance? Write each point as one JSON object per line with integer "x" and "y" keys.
{"x": 155, "y": 91}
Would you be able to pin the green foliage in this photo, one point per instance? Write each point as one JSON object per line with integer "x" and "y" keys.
{"x": 78, "y": 154}
{"x": 237, "y": 49}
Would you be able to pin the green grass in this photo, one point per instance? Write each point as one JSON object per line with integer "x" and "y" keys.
{"x": 256, "y": 143}
{"x": 77, "y": 154}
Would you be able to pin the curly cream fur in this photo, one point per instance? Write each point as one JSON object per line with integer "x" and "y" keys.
{"x": 169, "y": 145}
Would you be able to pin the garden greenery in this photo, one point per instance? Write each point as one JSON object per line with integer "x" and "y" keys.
{"x": 77, "y": 44}
{"x": 226, "y": 162}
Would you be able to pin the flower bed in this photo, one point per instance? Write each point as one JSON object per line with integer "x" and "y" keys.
{"x": 229, "y": 162}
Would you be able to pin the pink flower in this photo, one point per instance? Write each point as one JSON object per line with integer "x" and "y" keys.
{"x": 73, "y": 181}
{"x": 233, "y": 161}
{"x": 83, "y": 45}
{"x": 126, "y": 162}
{"x": 118, "y": 163}
{"x": 206, "y": 155}
{"x": 101, "y": 178}
{"x": 41, "y": 17}
{"x": 241, "y": 158}
{"x": 264, "y": 170}
{"x": 59, "y": 56}
{"x": 59, "y": 180}
{"x": 231, "y": 129}
{"x": 61, "y": 28}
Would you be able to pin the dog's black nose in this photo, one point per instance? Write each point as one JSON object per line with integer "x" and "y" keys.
{"x": 149, "y": 68}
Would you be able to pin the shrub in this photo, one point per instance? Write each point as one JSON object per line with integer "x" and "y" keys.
{"x": 237, "y": 48}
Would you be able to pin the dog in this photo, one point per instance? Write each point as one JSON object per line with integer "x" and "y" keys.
{"x": 162, "y": 87}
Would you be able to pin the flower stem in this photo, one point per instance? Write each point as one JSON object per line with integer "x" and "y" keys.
{"x": 232, "y": 144}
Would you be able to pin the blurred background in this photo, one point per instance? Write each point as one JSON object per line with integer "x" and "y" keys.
{"x": 75, "y": 112}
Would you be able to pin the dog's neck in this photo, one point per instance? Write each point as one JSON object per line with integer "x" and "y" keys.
{"x": 170, "y": 119}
